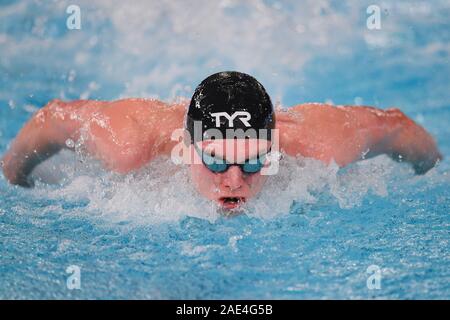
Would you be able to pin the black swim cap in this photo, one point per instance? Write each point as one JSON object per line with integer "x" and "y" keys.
{"x": 230, "y": 100}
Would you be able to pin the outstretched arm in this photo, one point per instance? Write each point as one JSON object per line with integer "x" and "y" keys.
{"x": 41, "y": 137}
{"x": 405, "y": 140}
{"x": 124, "y": 135}
{"x": 349, "y": 133}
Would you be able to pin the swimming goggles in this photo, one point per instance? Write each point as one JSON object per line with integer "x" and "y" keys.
{"x": 219, "y": 165}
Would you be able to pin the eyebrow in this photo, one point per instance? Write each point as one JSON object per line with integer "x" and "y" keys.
{"x": 247, "y": 159}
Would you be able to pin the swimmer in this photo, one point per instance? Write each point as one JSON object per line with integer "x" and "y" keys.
{"x": 127, "y": 134}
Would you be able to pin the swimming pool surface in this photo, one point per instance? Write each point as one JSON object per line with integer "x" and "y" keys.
{"x": 314, "y": 230}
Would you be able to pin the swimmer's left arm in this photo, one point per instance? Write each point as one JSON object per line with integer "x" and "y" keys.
{"x": 346, "y": 134}
{"x": 405, "y": 140}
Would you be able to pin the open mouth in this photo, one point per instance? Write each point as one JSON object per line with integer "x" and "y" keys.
{"x": 231, "y": 202}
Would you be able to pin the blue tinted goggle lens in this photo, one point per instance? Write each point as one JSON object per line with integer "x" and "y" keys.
{"x": 220, "y": 165}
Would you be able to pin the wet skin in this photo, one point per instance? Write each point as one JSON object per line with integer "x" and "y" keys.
{"x": 126, "y": 134}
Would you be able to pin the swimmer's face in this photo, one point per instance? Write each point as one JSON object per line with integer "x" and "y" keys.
{"x": 232, "y": 187}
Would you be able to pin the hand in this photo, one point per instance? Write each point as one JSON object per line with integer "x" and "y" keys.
{"x": 11, "y": 169}
{"x": 423, "y": 165}
{"x": 414, "y": 144}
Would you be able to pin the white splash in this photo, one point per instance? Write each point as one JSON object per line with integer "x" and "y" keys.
{"x": 163, "y": 192}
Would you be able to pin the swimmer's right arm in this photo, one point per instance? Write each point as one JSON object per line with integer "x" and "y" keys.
{"x": 41, "y": 137}
{"x": 123, "y": 135}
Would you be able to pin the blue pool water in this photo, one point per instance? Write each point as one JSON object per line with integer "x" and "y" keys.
{"x": 314, "y": 230}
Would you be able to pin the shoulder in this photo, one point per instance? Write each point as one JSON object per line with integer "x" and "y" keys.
{"x": 308, "y": 118}
{"x": 128, "y": 133}
{"x": 309, "y": 111}
{"x": 144, "y": 112}
{"x": 318, "y": 131}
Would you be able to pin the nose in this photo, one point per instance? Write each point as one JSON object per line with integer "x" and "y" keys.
{"x": 233, "y": 178}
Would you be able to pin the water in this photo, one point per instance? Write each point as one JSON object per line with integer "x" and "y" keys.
{"x": 311, "y": 233}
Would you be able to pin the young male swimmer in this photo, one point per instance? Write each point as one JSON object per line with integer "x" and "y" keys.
{"x": 126, "y": 134}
